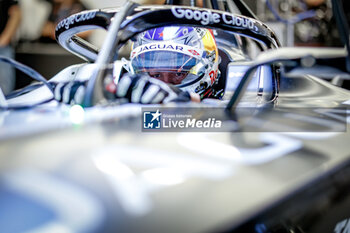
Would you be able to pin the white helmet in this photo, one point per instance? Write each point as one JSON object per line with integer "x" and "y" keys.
{"x": 186, "y": 57}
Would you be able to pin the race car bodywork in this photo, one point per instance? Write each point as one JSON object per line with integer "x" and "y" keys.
{"x": 279, "y": 164}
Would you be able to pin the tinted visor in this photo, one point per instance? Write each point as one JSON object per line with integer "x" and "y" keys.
{"x": 163, "y": 61}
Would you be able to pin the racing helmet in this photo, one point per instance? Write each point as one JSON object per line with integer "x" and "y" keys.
{"x": 186, "y": 57}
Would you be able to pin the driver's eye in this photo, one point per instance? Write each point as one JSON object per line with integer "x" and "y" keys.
{"x": 180, "y": 75}
{"x": 155, "y": 75}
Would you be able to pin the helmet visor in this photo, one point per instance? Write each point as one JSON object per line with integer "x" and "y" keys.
{"x": 165, "y": 57}
{"x": 163, "y": 61}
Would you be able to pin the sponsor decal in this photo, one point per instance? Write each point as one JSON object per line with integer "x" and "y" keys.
{"x": 200, "y": 32}
{"x": 207, "y": 17}
{"x": 166, "y": 46}
{"x": 66, "y": 23}
{"x": 238, "y": 21}
{"x": 160, "y": 46}
{"x": 194, "y": 52}
{"x": 213, "y": 74}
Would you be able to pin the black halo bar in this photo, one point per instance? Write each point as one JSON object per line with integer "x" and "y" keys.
{"x": 148, "y": 17}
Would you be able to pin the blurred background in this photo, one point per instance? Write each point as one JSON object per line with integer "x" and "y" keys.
{"x": 28, "y": 28}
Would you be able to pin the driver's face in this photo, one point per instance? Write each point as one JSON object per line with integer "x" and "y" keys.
{"x": 170, "y": 77}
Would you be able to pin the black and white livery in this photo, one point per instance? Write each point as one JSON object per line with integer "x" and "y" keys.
{"x": 280, "y": 163}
